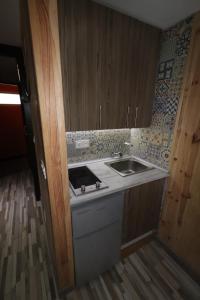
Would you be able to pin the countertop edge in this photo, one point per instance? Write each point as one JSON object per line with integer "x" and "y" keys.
{"x": 77, "y": 201}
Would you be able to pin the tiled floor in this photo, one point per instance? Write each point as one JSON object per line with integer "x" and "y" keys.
{"x": 26, "y": 271}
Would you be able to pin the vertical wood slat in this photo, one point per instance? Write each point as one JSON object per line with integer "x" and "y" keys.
{"x": 179, "y": 227}
{"x": 46, "y": 51}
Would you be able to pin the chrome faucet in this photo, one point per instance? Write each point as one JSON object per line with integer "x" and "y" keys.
{"x": 128, "y": 144}
{"x": 117, "y": 154}
{"x": 120, "y": 154}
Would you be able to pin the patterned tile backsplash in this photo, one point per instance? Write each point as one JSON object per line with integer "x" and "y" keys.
{"x": 153, "y": 143}
{"x": 102, "y": 144}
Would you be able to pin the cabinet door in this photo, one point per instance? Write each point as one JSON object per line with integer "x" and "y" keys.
{"x": 96, "y": 253}
{"x": 80, "y": 37}
{"x": 144, "y": 41}
{"x": 141, "y": 209}
{"x": 129, "y": 69}
{"x": 115, "y": 66}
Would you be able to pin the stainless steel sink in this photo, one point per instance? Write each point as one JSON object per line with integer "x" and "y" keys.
{"x": 126, "y": 167}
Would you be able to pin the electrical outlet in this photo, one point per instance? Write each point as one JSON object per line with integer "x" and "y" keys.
{"x": 82, "y": 144}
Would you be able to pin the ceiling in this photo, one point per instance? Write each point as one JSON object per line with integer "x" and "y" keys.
{"x": 160, "y": 13}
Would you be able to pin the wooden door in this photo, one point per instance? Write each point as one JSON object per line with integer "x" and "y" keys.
{"x": 179, "y": 227}
{"x": 42, "y": 59}
{"x": 35, "y": 116}
{"x": 141, "y": 210}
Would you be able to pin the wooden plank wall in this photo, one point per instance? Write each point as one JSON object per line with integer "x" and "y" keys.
{"x": 180, "y": 222}
{"x": 46, "y": 52}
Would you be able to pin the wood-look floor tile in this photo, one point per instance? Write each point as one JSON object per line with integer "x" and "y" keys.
{"x": 26, "y": 271}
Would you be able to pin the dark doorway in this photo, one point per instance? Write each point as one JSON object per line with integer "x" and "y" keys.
{"x": 13, "y": 149}
{"x": 17, "y": 149}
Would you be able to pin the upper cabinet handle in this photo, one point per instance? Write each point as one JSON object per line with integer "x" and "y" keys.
{"x": 136, "y": 115}
{"x": 100, "y": 116}
{"x": 127, "y": 116}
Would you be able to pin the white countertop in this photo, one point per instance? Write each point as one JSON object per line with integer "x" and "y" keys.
{"x": 115, "y": 182}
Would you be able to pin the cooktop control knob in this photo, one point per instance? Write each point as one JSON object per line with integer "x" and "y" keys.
{"x": 83, "y": 188}
{"x": 98, "y": 185}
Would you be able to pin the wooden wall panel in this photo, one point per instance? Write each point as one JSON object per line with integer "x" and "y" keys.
{"x": 179, "y": 228}
{"x": 108, "y": 61}
{"x": 42, "y": 55}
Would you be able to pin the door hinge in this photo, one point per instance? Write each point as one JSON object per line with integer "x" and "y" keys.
{"x": 42, "y": 165}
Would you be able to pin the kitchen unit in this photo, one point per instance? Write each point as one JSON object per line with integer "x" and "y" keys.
{"x": 104, "y": 220}
{"x": 106, "y": 80}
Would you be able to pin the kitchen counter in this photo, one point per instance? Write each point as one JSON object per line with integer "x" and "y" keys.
{"x": 114, "y": 181}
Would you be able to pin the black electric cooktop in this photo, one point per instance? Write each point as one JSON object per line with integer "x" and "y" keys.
{"x": 82, "y": 176}
{"x": 83, "y": 180}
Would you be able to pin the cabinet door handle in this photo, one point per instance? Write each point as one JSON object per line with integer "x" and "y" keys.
{"x": 100, "y": 116}
{"x": 101, "y": 208}
{"x": 136, "y": 115}
{"x": 85, "y": 211}
{"x": 127, "y": 116}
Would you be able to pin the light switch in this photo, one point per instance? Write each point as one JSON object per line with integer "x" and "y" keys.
{"x": 82, "y": 144}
